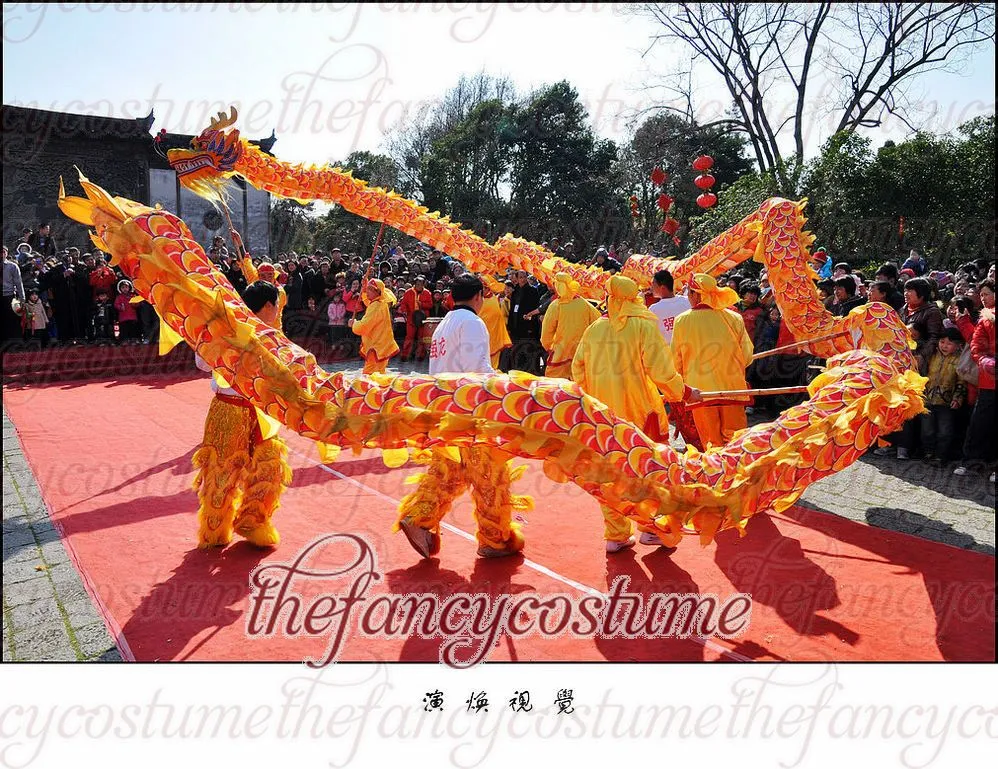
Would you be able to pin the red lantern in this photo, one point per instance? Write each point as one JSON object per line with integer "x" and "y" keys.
{"x": 703, "y": 162}
{"x": 664, "y": 202}
{"x": 707, "y": 200}
{"x": 670, "y": 226}
{"x": 659, "y": 177}
{"x": 704, "y": 181}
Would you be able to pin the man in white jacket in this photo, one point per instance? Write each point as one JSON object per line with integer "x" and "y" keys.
{"x": 461, "y": 346}
{"x": 461, "y": 340}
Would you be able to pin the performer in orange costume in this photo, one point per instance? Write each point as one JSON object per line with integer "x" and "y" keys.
{"x": 712, "y": 351}
{"x": 565, "y": 321}
{"x": 377, "y": 342}
{"x": 415, "y": 306}
{"x": 623, "y": 361}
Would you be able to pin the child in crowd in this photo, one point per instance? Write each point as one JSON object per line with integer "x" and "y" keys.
{"x": 103, "y": 318}
{"x": 337, "y": 314}
{"x": 945, "y": 394}
{"x": 36, "y": 318}
{"x": 127, "y": 313}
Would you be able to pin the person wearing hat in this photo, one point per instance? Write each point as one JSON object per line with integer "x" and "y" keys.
{"x": 623, "y": 361}
{"x": 565, "y": 321}
{"x": 822, "y": 264}
{"x": 494, "y": 318}
{"x": 241, "y": 463}
{"x": 377, "y": 342}
{"x": 461, "y": 346}
{"x": 416, "y": 303}
{"x": 712, "y": 350}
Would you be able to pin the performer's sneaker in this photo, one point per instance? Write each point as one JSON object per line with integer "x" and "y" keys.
{"x": 612, "y": 546}
{"x": 423, "y": 541}
{"x": 495, "y": 552}
{"x": 651, "y": 538}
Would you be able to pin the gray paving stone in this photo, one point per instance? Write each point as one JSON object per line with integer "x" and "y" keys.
{"x": 81, "y": 612}
{"x": 45, "y": 642}
{"x": 44, "y": 611}
{"x": 15, "y": 572}
{"x": 31, "y": 553}
{"x": 27, "y": 592}
{"x": 94, "y": 640}
{"x": 54, "y": 553}
{"x": 111, "y": 655}
{"x": 17, "y": 539}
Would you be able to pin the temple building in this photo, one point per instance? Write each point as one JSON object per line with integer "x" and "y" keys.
{"x": 119, "y": 154}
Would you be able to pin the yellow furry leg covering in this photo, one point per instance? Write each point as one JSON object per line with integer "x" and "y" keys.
{"x": 437, "y": 488}
{"x": 220, "y": 461}
{"x": 491, "y": 474}
{"x": 616, "y": 527}
{"x": 265, "y": 479}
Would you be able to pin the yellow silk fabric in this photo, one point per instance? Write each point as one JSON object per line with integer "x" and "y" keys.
{"x": 491, "y": 315}
{"x": 375, "y": 330}
{"x": 565, "y": 321}
{"x": 711, "y": 349}
{"x": 711, "y": 294}
{"x": 623, "y": 302}
{"x": 626, "y": 369}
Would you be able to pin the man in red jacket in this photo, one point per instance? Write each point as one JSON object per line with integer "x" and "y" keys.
{"x": 415, "y": 306}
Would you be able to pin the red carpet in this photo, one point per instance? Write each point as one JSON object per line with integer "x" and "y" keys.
{"x": 113, "y": 460}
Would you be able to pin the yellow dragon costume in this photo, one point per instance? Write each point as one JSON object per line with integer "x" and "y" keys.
{"x": 869, "y": 388}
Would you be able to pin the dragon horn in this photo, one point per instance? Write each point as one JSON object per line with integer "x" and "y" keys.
{"x": 223, "y": 120}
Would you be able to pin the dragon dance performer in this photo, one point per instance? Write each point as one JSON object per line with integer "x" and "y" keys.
{"x": 461, "y": 345}
{"x": 565, "y": 321}
{"x": 242, "y": 467}
{"x": 623, "y": 361}
{"x": 712, "y": 351}
{"x": 377, "y": 340}
{"x": 266, "y": 272}
{"x": 494, "y": 319}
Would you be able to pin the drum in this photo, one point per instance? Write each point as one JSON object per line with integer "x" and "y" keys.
{"x": 426, "y": 330}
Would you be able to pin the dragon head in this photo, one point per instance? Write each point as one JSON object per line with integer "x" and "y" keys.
{"x": 102, "y": 211}
{"x": 205, "y": 168}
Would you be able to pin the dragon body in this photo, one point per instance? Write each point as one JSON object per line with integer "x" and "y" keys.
{"x": 863, "y": 394}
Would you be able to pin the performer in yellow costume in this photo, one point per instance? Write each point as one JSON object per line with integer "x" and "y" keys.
{"x": 241, "y": 464}
{"x": 623, "y": 361}
{"x": 461, "y": 345}
{"x": 266, "y": 272}
{"x": 494, "y": 318}
{"x": 712, "y": 350}
{"x": 377, "y": 340}
{"x": 565, "y": 321}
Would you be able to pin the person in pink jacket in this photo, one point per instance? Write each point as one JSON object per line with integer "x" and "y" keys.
{"x": 978, "y": 445}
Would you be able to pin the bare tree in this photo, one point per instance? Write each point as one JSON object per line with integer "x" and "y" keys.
{"x": 872, "y": 51}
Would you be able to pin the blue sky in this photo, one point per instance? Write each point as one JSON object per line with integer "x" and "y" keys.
{"x": 331, "y": 78}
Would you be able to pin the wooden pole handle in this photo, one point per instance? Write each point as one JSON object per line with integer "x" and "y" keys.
{"x": 798, "y": 345}
{"x": 715, "y": 394}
